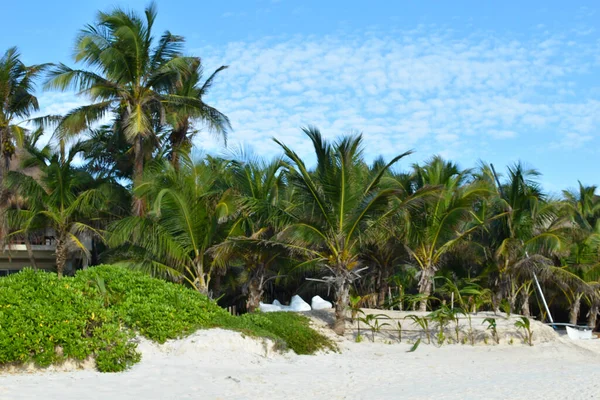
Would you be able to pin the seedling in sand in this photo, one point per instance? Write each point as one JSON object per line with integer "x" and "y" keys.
{"x": 525, "y": 324}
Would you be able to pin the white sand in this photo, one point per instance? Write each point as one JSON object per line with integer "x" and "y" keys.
{"x": 219, "y": 364}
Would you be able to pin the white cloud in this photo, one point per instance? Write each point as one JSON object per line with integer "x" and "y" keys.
{"x": 427, "y": 88}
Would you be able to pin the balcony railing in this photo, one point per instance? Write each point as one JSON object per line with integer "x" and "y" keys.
{"x": 38, "y": 241}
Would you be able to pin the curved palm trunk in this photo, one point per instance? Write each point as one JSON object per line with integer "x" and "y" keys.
{"x": 255, "y": 289}
{"x": 425, "y": 285}
{"x": 139, "y": 205}
{"x": 574, "y": 309}
{"x": 61, "y": 254}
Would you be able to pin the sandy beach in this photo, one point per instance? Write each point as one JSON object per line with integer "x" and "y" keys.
{"x": 219, "y": 364}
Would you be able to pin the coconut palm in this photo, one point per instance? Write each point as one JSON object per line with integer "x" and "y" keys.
{"x": 187, "y": 209}
{"x": 526, "y": 232}
{"x": 584, "y": 255}
{"x": 64, "y": 198}
{"x": 258, "y": 216}
{"x": 438, "y": 225}
{"x": 182, "y": 116}
{"x": 332, "y": 205}
{"x": 127, "y": 79}
{"x": 17, "y": 101}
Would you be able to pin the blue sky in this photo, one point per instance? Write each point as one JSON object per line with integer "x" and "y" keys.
{"x": 499, "y": 81}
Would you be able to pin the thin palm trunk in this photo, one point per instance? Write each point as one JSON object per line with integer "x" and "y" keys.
{"x": 525, "y": 303}
{"x": 255, "y": 289}
{"x": 342, "y": 297}
{"x": 425, "y": 286}
{"x": 593, "y": 315}
{"x": 177, "y": 138}
{"x": 61, "y": 254}
{"x": 139, "y": 206}
{"x": 383, "y": 285}
{"x": 4, "y": 166}
{"x": 574, "y": 309}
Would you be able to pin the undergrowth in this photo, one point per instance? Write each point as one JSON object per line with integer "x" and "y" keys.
{"x": 96, "y": 313}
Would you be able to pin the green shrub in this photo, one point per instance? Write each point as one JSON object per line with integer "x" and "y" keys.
{"x": 97, "y": 312}
{"x": 46, "y": 320}
{"x": 157, "y": 309}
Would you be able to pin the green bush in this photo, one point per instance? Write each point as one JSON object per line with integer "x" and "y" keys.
{"x": 47, "y": 320}
{"x": 95, "y": 313}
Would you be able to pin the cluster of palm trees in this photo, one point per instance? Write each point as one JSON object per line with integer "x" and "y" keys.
{"x": 358, "y": 227}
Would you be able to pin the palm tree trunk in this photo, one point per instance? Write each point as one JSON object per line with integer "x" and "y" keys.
{"x": 177, "y": 138}
{"x": 383, "y": 285}
{"x": 255, "y": 289}
{"x": 30, "y": 252}
{"x": 200, "y": 281}
{"x": 594, "y": 309}
{"x": 4, "y": 166}
{"x": 342, "y": 296}
{"x": 425, "y": 283}
{"x": 574, "y": 309}
{"x": 139, "y": 206}
{"x": 61, "y": 254}
{"x": 525, "y": 303}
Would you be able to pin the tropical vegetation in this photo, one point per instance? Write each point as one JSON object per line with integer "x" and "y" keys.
{"x": 122, "y": 171}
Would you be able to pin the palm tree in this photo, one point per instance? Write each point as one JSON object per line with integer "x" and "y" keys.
{"x": 181, "y": 116}
{"x": 332, "y": 206}
{"x": 128, "y": 77}
{"x": 188, "y": 209}
{"x": 258, "y": 216}
{"x": 438, "y": 225}
{"x": 527, "y": 231}
{"x": 65, "y": 198}
{"x": 17, "y": 101}
{"x": 584, "y": 255}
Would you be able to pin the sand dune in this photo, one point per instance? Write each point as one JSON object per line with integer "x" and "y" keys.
{"x": 219, "y": 364}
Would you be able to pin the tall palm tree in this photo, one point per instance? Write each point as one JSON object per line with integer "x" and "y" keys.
{"x": 584, "y": 255}
{"x": 64, "y": 198}
{"x": 332, "y": 205}
{"x": 258, "y": 216}
{"x": 188, "y": 209}
{"x": 182, "y": 116}
{"x": 526, "y": 232}
{"x": 17, "y": 101}
{"x": 438, "y": 225}
{"x": 128, "y": 77}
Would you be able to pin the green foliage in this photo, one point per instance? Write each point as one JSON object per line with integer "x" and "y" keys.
{"x": 423, "y": 322}
{"x": 289, "y": 330}
{"x": 415, "y": 346}
{"x": 152, "y": 307}
{"x": 372, "y": 321}
{"x": 493, "y": 328}
{"x": 525, "y": 324}
{"x": 46, "y": 320}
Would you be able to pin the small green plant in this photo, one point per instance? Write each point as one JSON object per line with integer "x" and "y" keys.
{"x": 525, "y": 324}
{"x": 399, "y": 329}
{"x": 355, "y": 303}
{"x": 358, "y": 338}
{"x": 442, "y": 316}
{"x": 506, "y": 307}
{"x": 372, "y": 321}
{"x": 415, "y": 345}
{"x": 511, "y": 341}
{"x": 423, "y": 322}
{"x": 492, "y": 327}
